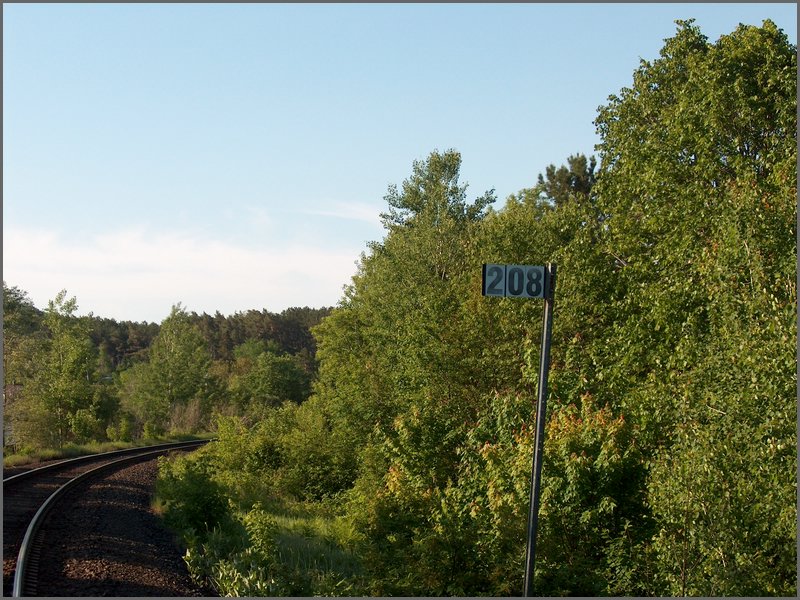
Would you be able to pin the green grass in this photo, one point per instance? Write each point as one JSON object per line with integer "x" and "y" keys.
{"x": 309, "y": 541}
{"x": 318, "y": 546}
{"x": 289, "y": 551}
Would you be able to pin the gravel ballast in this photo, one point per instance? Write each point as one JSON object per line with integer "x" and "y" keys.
{"x": 109, "y": 542}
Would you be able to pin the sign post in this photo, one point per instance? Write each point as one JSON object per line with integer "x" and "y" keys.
{"x": 522, "y": 281}
{"x": 541, "y": 411}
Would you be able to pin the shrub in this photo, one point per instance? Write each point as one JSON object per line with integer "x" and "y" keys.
{"x": 191, "y": 499}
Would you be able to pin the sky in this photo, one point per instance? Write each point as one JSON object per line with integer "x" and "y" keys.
{"x": 236, "y": 156}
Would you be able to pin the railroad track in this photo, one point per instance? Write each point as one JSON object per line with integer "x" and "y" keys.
{"x": 29, "y": 497}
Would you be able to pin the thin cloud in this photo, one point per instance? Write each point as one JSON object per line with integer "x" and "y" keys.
{"x": 352, "y": 211}
{"x": 258, "y": 216}
{"x": 138, "y": 275}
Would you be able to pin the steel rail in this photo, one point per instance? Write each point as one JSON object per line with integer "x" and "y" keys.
{"x": 28, "y": 542}
{"x": 89, "y": 458}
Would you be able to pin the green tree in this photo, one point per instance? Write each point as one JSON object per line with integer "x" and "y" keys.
{"x": 174, "y": 389}
{"x": 56, "y": 403}
{"x": 391, "y": 343}
{"x": 263, "y": 378}
{"x": 574, "y": 180}
{"x": 393, "y": 373}
{"x": 21, "y": 335}
{"x": 22, "y": 340}
{"x": 698, "y": 187}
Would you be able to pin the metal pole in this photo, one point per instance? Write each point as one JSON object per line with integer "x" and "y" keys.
{"x": 541, "y": 410}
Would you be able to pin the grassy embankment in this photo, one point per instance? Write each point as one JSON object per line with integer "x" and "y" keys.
{"x": 247, "y": 536}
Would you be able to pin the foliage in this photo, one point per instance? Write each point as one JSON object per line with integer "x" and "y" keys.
{"x": 176, "y": 375}
{"x": 265, "y": 378}
{"x": 144, "y": 379}
{"x": 190, "y": 499}
{"x": 55, "y": 405}
{"x": 698, "y": 185}
{"x": 240, "y": 536}
{"x": 684, "y": 235}
{"x": 121, "y": 344}
{"x": 568, "y": 183}
{"x": 21, "y": 322}
{"x": 264, "y": 554}
{"x": 288, "y": 331}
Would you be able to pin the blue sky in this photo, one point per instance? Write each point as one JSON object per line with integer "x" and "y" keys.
{"x": 232, "y": 157}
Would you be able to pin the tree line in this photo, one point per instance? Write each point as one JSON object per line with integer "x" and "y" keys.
{"x": 70, "y": 379}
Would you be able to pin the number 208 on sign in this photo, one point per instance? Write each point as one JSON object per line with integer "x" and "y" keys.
{"x": 513, "y": 281}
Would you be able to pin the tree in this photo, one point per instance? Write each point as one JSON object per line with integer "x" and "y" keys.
{"x": 393, "y": 375}
{"x": 176, "y": 375}
{"x": 22, "y": 339}
{"x": 390, "y": 343}
{"x": 264, "y": 378}
{"x": 21, "y": 332}
{"x": 698, "y": 185}
{"x": 432, "y": 194}
{"x": 571, "y": 181}
{"x": 56, "y": 402}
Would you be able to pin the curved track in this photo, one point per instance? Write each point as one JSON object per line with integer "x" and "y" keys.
{"x": 29, "y": 496}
